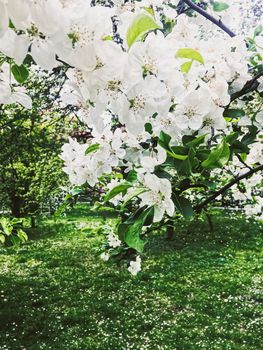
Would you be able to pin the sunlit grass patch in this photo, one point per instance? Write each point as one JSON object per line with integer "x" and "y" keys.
{"x": 203, "y": 290}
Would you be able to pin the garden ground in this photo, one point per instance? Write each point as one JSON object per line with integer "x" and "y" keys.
{"x": 203, "y": 290}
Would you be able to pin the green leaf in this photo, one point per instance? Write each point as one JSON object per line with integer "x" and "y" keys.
{"x": 164, "y": 140}
{"x": 185, "y": 67}
{"x": 162, "y": 173}
{"x": 239, "y": 147}
{"x": 250, "y": 137}
{"x": 132, "y": 237}
{"x": 202, "y": 154}
{"x": 183, "y": 205}
{"x": 64, "y": 206}
{"x": 218, "y": 157}
{"x": 107, "y": 37}
{"x": 196, "y": 141}
{"x": 148, "y": 128}
{"x": 219, "y": 6}
{"x": 22, "y": 235}
{"x": 188, "y": 164}
{"x": 92, "y": 148}
{"x": 7, "y": 228}
{"x": 150, "y": 10}
{"x": 234, "y": 113}
{"x": 2, "y": 238}
{"x": 258, "y": 30}
{"x": 15, "y": 240}
{"x": 140, "y": 27}
{"x": 243, "y": 156}
{"x": 16, "y": 221}
{"x": 177, "y": 156}
{"x": 132, "y": 176}
{"x": 191, "y": 54}
{"x": 76, "y": 191}
{"x": 116, "y": 190}
{"x": 134, "y": 217}
{"x": 20, "y": 73}
{"x": 131, "y": 233}
{"x": 232, "y": 137}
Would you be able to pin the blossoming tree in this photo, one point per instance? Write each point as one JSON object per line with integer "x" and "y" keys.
{"x": 171, "y": 96}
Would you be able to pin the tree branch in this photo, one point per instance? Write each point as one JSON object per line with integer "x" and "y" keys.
{"x": 212, "y": 19}
{"x": 244, "y": 163}
{"x": 250, "y": 86}
{"x": 210, "y": 199}
{"x": 63, "y": 62}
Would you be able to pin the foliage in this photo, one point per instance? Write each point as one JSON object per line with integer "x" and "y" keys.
{"x": 12, "y": 231}
{"x": 139, "y": 28}
{"x": 30, "y": 172}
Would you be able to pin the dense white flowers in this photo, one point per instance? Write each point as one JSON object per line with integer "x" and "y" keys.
{"x": 146, "y": 84}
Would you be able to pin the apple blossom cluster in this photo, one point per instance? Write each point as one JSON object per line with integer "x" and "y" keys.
{"x": 146, "y": 84}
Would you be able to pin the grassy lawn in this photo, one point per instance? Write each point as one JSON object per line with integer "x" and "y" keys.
{"x": 201, "y": 291}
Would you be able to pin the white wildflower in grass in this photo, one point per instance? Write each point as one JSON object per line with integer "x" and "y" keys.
{"x": 113, "y": 240}
{"x": 105, "y": 256}
{"x": 135, "y": 266}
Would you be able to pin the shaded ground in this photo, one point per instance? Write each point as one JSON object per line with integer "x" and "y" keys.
{"x": 201, "y": 291}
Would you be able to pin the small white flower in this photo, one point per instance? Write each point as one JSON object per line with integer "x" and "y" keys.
{"x": 105, "y": 256}
{"x": 113, "y": 240}
{"x": 191, "y": 110}
{"x": 135, "y": 266}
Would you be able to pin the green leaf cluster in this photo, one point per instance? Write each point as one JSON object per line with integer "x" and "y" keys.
{"x": 11, "y": 231}
{"x": 141, "y": 25}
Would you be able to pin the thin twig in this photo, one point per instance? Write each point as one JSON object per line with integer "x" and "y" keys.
{"x": 237, "y": 179}
{"x": 250, "y": 86}
{"x": 244, "y": 163}
{"x": 212, "y": 19}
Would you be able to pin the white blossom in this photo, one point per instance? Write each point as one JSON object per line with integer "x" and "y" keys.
{"x": 135, "y": 266}
{"x": 158, "y": 195}
{"x": 113, "y": 240}
{"x": 105, "y": 256}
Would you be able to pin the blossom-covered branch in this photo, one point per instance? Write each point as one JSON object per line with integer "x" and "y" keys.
{"x": 153, "y": 102}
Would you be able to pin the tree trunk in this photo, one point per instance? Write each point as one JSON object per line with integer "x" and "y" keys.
{"x": 210, "y": 222}
{"x": 33, "y": 221}
{"x": 170, "y": 230}
{"x": 16, "y": 207}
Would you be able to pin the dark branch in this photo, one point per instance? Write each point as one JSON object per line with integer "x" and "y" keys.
{"x": 63, "y": 62}
{"x": 212, "y": 19}
{"x": 210, "y": 199}
{"x": 244, "y": 163}
{"x": 250, "y": 86}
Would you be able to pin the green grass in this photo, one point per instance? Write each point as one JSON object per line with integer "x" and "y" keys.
{"x": 201, "y": 291}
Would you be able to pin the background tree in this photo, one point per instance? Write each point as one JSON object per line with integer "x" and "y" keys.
{"x": 31, "y": 175}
